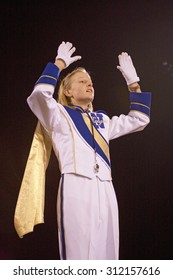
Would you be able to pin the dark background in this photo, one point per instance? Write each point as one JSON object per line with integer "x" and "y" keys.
{"x": 142, "y": 163}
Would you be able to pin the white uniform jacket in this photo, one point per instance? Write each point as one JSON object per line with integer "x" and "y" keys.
{"x": 71, "y": 131}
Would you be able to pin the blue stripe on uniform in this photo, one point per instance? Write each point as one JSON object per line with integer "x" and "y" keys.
{"x": 85, "y": 132}
{"x": 62, "y": 218}
{"x": 140, "y": 107}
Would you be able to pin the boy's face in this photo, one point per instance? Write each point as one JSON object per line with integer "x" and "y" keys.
{"x": 81, "y": 89}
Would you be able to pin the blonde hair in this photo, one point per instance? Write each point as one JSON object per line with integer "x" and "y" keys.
{"x": 65, "y": 85}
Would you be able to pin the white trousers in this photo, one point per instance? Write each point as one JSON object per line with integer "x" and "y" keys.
{"x": 88, "y": 226}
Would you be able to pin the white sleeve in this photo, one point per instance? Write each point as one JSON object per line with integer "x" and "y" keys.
{"x": 125, "y": 124}
{"x": 44, "y": 106}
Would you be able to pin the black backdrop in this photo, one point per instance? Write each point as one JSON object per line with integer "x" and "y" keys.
{"x": 142, "y": 163}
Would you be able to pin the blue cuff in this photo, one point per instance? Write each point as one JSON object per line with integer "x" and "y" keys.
{"x": 140, "y": 102}
{"x": 50, "y": 75}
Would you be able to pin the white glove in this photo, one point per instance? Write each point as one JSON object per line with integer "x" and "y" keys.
{"x": 65, "y": 51}
{"x": 127, "y": 69}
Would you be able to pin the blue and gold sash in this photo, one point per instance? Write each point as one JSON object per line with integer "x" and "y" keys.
{"x": 90, "y": 133}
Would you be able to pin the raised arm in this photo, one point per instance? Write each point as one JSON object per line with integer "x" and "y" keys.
{"x": 139, "y": 115}
{"x": 41, "y": 100}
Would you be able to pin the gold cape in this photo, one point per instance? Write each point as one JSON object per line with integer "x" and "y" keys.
{"x": 30, "y": 203}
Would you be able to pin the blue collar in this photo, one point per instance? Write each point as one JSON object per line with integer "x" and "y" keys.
{"x": 79, "y": 108}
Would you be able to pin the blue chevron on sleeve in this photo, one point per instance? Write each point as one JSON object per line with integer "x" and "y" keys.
{"x": 140, "y": 102}
{"x": 49, "y": 75}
